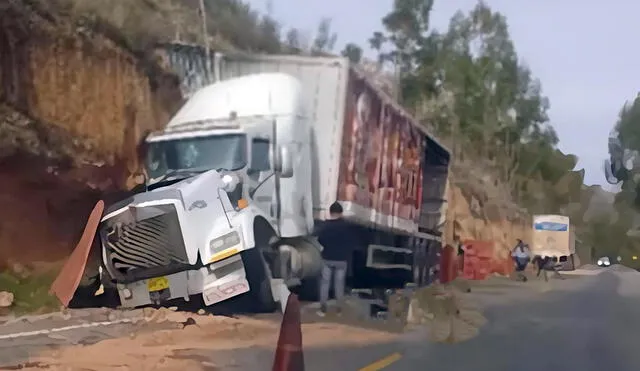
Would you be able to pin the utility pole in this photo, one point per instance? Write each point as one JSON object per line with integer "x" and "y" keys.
{"x": 205, "y": 37}
{"x": 397, "y": 77}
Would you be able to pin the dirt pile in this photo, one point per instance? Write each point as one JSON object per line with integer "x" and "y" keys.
{"x": 447, "y": 314}
{"x": 73, "y": 108}
{"x": 622, "y": 268}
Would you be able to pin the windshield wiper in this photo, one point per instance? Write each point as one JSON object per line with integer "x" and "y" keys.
{"x": 184, "y": 173}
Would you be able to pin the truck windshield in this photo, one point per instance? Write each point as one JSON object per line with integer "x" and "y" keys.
{"x": 227, "y": 152}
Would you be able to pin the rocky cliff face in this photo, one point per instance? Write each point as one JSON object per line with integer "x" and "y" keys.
{"x": 480, "y": 209}
{"x": 73, "y": 107}
{"x": 475, "y": 219}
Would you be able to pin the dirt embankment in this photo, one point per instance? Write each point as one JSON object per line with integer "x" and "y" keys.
{"x": 476, "y": 212}
{"x": 73, "y": 107}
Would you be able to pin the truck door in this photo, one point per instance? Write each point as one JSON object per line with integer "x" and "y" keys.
{"x": 261, "y": 176}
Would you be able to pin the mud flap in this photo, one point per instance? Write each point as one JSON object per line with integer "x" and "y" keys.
{"x": 66, "y": 284}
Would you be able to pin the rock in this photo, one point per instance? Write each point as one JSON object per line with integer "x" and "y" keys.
{"x": 64, "y": 313}
{"x": 439, "y": 330}
{"x": 57, "y": 337}
{"x": 6, "y": 299}
{"x": 100, "y": 290}
{"x": 209, "y": 365}
{"x": 18, "y": 270}
{"x": 112, "y": 316}
{"x": 472, "y": 317}
{"x": 189, "y": 322}
{"x": 462, "y": 331}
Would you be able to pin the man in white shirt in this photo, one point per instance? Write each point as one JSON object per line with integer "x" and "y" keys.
{"x": 521, "y": 257}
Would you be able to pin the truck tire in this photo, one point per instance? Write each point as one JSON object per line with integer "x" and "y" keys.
{"x": 84, "y": 297}
{"x": 259, "y": 277}
{"x": 309, "y": 290}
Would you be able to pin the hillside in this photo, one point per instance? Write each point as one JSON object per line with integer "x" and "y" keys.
{"x": 73, "y": 103}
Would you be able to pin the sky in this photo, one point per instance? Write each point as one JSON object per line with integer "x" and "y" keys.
{"x": 583, "y": 52}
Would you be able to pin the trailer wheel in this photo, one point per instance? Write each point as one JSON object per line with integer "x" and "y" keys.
{"x": 309, "y": 289}
{"x": 259, "y": 277}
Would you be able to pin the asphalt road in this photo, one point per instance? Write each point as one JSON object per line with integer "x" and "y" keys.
{"x": 581, "y": 323}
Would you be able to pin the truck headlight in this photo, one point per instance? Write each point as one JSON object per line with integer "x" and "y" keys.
{"x": 224, "y": 242}
{"x": 230, "y": 181}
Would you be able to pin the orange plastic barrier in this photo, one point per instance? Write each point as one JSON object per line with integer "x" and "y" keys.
{"x": 483, "y": 249}
{"x": 478, "y": 261}
{"x": 504, "y": 267}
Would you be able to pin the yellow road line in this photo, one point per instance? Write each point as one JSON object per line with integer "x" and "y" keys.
{"x": 382, "y": 363}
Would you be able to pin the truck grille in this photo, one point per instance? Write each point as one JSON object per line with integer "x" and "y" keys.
{"x": 140, "y": 245}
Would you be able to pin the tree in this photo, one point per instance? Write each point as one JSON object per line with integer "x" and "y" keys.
{"x": 325, "y": 39}
{"x": 498, "y": 111}
{"x": 406, "y": 29}
{"x": 353, "y": 52}
{"x": 623, "y": 166}
{"x": 292, "y": 40}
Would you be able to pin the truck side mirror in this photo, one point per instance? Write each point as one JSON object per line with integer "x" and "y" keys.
{"x": 284, "y": 162}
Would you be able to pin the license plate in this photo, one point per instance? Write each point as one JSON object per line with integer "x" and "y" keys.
{"x": 220, "y": 293}
{"x": 158, "y": 284}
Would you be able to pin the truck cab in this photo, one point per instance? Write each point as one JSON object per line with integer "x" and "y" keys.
{"x": 226, "y": 208}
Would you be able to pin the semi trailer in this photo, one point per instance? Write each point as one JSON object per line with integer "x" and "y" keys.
{"x": 241, "y": 175}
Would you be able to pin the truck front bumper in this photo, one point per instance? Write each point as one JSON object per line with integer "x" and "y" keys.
{"x": 215, "y": 282}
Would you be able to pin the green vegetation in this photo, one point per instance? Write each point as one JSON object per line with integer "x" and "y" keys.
{"x": 31, "y": 291}
{"x": 498, "y": 111}
{"x": 627, "y": 202}
{"x": 231, "y": 24}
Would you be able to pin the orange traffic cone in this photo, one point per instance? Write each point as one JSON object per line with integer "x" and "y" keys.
{"x": 289, "y": 355}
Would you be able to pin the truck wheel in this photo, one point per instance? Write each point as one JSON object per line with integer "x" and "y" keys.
{"x": 417, "y": 273}
{"x": 84, "y": 297}
{"x": 309, "y": 289}
{"x": 259, "y": 277}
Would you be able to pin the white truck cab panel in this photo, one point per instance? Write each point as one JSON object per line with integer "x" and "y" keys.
{"x": 267, "y": 108}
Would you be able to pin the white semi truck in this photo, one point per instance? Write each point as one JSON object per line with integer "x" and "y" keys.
{"x": 554, "y": 236}
{"x": 245, "y": 169}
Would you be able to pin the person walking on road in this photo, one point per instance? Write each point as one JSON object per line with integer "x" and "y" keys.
{"x": 461, "y": 250}
{"x": 338, "y": 240}
{"x": 521, "y": 257}
{"x": 545, "y": 264}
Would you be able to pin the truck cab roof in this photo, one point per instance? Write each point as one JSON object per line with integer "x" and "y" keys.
{"x": 257, "y": 95}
